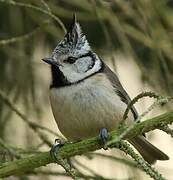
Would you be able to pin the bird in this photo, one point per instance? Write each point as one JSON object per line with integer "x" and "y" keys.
{"x": 87, "y": 97}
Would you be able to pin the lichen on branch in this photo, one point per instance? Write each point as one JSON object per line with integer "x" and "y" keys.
{"x": 31, "y": 162}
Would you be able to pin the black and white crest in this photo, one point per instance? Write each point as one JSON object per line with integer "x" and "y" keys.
{"x": 74, "y": 41}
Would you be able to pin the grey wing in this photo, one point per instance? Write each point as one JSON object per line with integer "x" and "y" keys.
{"x": 119, "y": 88}
{"x": 149, "y": 152}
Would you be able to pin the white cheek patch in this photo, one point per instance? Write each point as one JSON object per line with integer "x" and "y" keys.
{"x": 70, "y": 72}
{"x": 83, "y": 64}
{"x": 80, "y": 69}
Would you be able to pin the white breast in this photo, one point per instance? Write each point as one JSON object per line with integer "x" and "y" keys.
{"x": 81, "y": 110}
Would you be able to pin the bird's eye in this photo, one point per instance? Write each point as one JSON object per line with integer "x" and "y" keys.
{"x": 70, "y": 60}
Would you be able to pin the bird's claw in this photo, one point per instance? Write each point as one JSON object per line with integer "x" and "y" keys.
{"x": 103, "y": 136}
{"x": 55, "y": 148}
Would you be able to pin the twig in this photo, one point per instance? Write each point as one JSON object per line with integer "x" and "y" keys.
{"x": 9, "y": 149}
{"x": 124, "y": 146}
{"x": 104, "y": 28}
{"x": 36, "y": 8}
{"x": 43, "y": 158}
{"x": 32, "y": 125}
{"x": 126, "y": 131}
{"x": 35, "y": 125}
{"x": 67, "y": 167}
{"x": 167, "y": 130}
{"x": 47, "y": 172}
{"x": 46, "y": 5}
{"x": 139, "y": 96}
{"x": 22, "y": 37}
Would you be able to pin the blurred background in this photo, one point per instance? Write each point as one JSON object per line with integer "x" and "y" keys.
{"x": 135, "y": 38}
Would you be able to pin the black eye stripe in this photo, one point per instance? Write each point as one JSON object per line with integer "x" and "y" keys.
{"x": 90, "y": 54}
{"x": 87, "y": 54}
{"x": 70, "y": 60}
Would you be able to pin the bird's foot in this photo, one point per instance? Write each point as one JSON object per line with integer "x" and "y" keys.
{"x": 103, "y": 137}
{"x": 55, "y": 148}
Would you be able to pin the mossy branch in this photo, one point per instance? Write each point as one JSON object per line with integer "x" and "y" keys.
{"x": 31, "y": 162}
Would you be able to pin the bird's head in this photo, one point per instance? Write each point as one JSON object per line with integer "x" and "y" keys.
{"x": 73, "y": 60}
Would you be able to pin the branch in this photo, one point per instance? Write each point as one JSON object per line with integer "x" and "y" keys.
{"x": 167, "y": 130}
{"x": 139, "y": 96}
{"x": 34, "y": 126}
{"x": 26, "y": 36}
{"x": 29, "y": 163}
{"x": 130, "y": 127}
{"x": 124, "y": 146}
{"x": 36, "y": 8}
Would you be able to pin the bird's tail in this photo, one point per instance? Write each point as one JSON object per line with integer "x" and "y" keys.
{"x": 149, "y": 152}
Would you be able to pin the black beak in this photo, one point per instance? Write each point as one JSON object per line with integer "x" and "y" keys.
{"x": 48, "y": 60}
{"x": 51, "y": 62}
